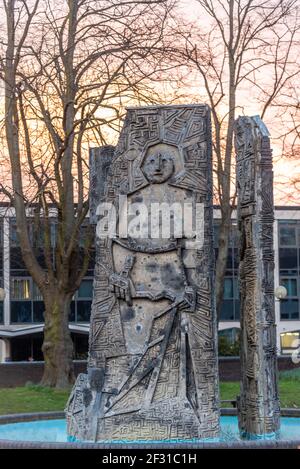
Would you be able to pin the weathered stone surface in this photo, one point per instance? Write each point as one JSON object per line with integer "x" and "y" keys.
{"x": 100, "y": 160}
{"x": 152, "y": 369}
{"x": 259, "y": 403}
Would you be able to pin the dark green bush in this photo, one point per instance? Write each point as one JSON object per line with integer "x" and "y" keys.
{"x": 227, "y": 348}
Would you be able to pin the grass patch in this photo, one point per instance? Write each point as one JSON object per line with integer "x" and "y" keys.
{"x": 35, "y": 398}
{"x": 32, "y": 398}
{"x": 289, "y": 389}
{"x": 290, "y": 375}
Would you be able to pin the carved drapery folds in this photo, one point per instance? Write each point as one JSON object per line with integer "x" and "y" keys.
{"x": 259, "y": 413}
{"x": 152, "y": 368}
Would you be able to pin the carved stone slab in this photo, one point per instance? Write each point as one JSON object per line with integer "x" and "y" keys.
{"x": 259, "y": 411}
{"x": 100, "y": 160}
{"x": 152, "y": 368}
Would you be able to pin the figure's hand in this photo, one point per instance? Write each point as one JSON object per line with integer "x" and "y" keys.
{"x": 188, "y": 300}
{"x": 121, "y": 286}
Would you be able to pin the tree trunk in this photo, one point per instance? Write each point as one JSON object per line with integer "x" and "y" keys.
{"x": 58, "y": 346}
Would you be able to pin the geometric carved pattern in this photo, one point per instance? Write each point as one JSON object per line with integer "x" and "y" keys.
{"x": 259, "y": 412}
{"x": 152, "y": 368}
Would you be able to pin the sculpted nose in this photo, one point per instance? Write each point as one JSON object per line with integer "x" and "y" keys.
{"x": 158, "y": 163}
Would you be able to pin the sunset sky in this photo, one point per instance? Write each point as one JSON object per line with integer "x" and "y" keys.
{"x": 250, "y": 98}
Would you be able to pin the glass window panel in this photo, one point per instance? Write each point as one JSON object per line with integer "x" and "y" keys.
{"x": 233, "y": 235}
{"x": 298, "y": 234}
{"x": 36, "y": 294}
{"x": 216, "y": 234}
{"x": 237, "y": 313}
{"x": 227, "y": 310}
{"x": 291, "y": 285}
{"x": 38, "y": 311}
{"x": 20, "y": 311}
{"x": 39, "y": 253}
{"x": 1, "y": 312}
{"x": 288, "y": 273}
{"x": 37, "y": 235}
{"x": 289, "y": 309}
{"x": 287, "y": 236}
{"x": 84, "y": 311}
{"x": 81, "y": 346}
{"x": 91, "y": 266}
{"x": 20, "y": 289}
{"x": 229, "y": 264}
{"x": 53, "y": 233}
{"x": 14, "y": 241}
{"x": 235, "y": 287}
{"x": 228, "y": 288}
{"x": 235, "y": 258}
{"x": 232, "y": 334}
{"x": 21, "y": 348}
{"x": 72, "y": 312}
{"x": 86, "y": 289}
{"x": 290, "y": 340}
{"x": 16, "y": 260}
{"x": 288, "y": 258}
{"x": 37, "y": 343}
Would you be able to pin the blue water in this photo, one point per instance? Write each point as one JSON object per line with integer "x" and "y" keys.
{"x": 55, "y": 430}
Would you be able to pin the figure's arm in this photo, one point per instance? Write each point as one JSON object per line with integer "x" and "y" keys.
{"x": 121, "y": 284}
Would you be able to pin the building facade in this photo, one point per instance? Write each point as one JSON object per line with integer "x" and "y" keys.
{"x": 21, "y": 312}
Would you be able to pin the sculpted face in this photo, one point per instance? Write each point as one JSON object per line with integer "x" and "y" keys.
{"x": 158, "y": 167}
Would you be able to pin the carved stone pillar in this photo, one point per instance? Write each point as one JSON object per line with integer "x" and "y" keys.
{"x": 258, "y": 406}
{"x": 152, "y": 368}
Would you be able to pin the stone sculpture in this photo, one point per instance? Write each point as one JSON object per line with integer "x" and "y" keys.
{"x": 152, "y": 368}
{"x": 258, "y": 404}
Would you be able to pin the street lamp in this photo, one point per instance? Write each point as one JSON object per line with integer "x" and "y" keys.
{"x": 280, "y": 292}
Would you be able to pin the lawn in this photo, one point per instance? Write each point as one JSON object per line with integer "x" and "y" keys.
{"x": 31, "y": 399}
{"x": 289, "y": 392}
{"x": 38, "y": 399}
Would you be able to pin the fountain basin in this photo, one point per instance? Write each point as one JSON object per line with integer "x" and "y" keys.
{"x": 48, "y": 430}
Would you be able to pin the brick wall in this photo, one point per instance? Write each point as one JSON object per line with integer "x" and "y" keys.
{"x": 19, "y": 373}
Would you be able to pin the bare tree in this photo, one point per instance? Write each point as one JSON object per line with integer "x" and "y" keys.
{"x": 69, "y": 69}
{"x": 243, "y": 53}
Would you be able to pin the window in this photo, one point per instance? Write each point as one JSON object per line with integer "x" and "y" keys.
{"x": 289, "y": 306}
{"x": 291, "y": 286}
{"x": 27, "y": 348}
{"x": 230, "y": 310}
{"x": 86, "y": 289}
{"x": 20, "y": 289}
{"x": 289, "y": 341}
{"x": 229, "y": 342}
{"x": 287, "y": 235}
{"x": 26, "y": 301}
{"x": 81, "y": 345}
{"x": 288, "y": 259}
{"x": 82, "y": 302}
{"x": 36, "y": 235}
{"x": 231, "y": 306}
{"x": 289, "y": 268}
